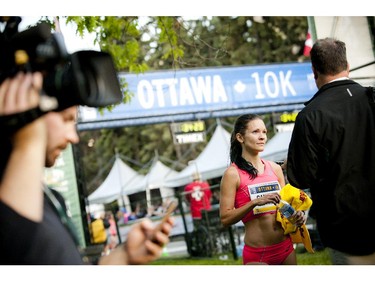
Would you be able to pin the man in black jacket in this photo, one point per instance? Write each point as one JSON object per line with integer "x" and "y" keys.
{"x": 332, "y": 153}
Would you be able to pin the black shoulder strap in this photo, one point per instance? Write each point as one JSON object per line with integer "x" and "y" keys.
{"x": 61, "y": 212}
{"x": 12, "y": 123}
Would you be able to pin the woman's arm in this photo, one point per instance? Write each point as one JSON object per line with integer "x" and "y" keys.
{"x": 229, "y": 215}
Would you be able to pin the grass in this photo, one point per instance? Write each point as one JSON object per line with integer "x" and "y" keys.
{"x": 303, "y": 258}
{"x": 318, "y": 258}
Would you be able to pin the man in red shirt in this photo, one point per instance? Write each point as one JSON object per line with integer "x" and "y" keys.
{"x": 198, "y": 194}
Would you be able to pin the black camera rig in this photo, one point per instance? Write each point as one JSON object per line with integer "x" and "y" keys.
{"x": 82, "y": 78}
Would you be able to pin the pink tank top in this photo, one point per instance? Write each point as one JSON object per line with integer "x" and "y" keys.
{"x": 250, "y": 189}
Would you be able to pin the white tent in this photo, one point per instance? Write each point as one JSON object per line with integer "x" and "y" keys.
{"x": 277, "y": 147}
{"x": 214, "y": 159}
{"x": 119, "y": 176}
{"x": 211, "y": 163}
{"x": 155, "y": 178}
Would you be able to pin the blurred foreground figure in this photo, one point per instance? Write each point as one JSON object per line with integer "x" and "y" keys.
{"x": 34, "y": 226}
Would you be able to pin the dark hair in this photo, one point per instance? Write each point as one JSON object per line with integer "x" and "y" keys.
{"x": 328, "y": 56}
{"x": 235, "y": 147}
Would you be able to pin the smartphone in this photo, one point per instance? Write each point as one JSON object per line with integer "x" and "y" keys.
{"x": 171, "y": 207}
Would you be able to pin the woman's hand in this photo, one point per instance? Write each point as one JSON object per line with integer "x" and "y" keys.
{"x": 273, "y": 198}
{"x": 299, "y": 218}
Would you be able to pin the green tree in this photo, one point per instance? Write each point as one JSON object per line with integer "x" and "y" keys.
{"x": 224, "y": 41}
{"x": 155, "y": 43}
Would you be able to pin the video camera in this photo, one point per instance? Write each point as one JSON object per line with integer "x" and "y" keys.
{"x": 82, "y": 78}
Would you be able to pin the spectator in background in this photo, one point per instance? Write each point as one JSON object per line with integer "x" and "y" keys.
{"x": 112, "y": 231}
{"x": 122, "y": 216}
{"x": 198, "y": 195}
{"x": 98, "y": 226}
{"x": 215, "y": 197}
{"x": 158, "y": 210}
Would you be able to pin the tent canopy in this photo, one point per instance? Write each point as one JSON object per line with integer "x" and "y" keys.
{"x": 277, "y": 148}
{"x": 110, "y": 190}
{"x": 214, "y": 159}
{"x": 155, "y": 178}
{"x": 211, "y": 163}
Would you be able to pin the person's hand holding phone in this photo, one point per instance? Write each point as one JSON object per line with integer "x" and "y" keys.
{"x": 145, "y": 241}
{"x": 165, "y": 219}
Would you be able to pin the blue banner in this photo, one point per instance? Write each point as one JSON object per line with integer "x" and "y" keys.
{"x": 208, "y": 92}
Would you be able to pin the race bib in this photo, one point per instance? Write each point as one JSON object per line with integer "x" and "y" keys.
{"x": 261, "y": 189}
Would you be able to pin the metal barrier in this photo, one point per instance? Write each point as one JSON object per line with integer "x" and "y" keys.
{"x": 210, "y": 238}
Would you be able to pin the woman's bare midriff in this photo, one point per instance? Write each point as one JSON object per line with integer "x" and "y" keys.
{"x": 264, "y": 231}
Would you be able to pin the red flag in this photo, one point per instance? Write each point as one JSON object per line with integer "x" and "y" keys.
{"x": 308, "y": 45}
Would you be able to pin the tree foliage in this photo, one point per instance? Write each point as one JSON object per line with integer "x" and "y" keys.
{"x": 139, "y": 44}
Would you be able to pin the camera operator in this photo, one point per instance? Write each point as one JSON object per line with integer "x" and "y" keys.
{"x": 34, "y": 230}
